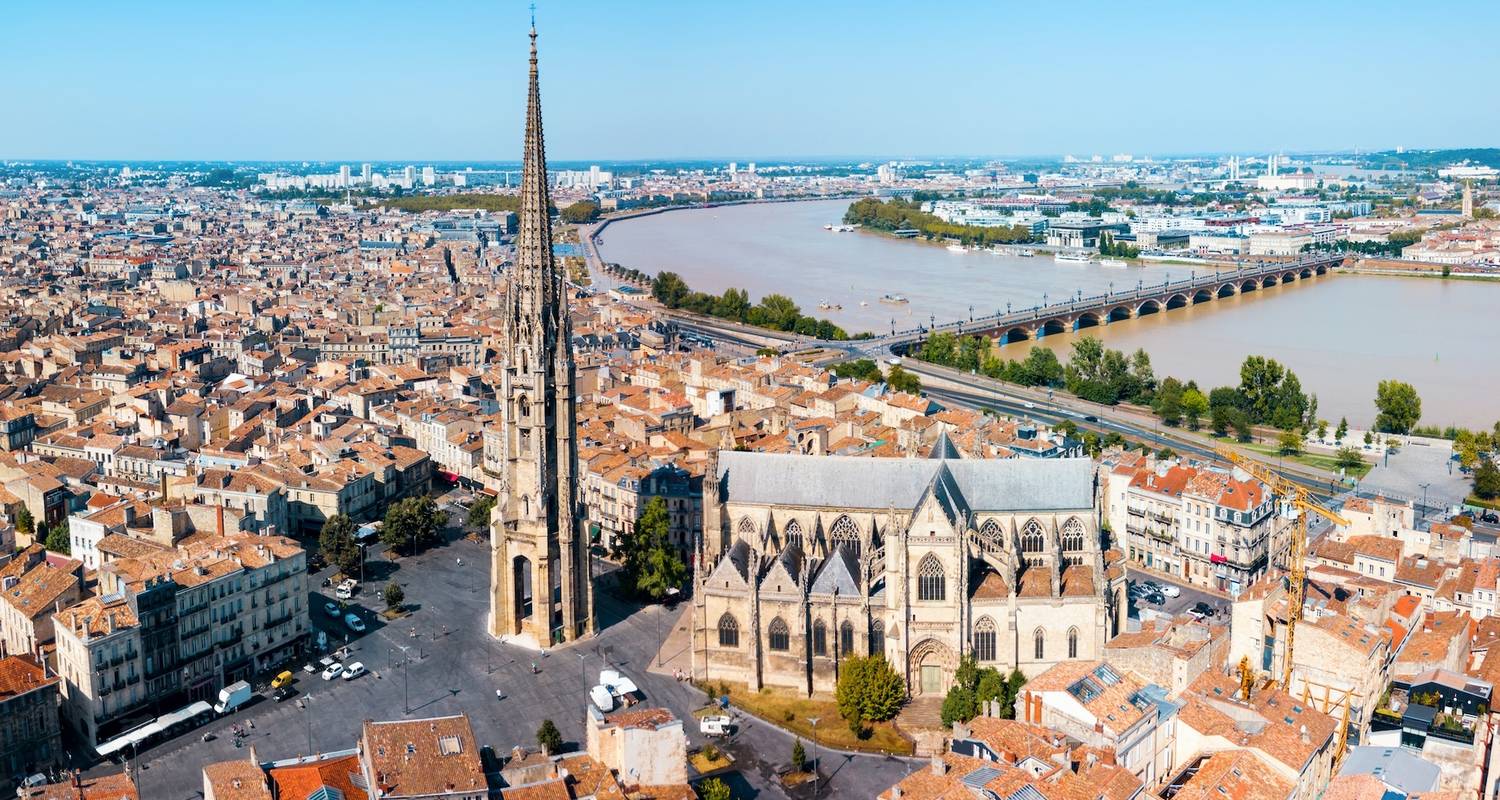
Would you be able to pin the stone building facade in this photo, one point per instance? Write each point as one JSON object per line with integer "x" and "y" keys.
{"x": 808, "y": 559}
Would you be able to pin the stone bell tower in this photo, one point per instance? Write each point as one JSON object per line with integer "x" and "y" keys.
{"x": 540, "y": 583}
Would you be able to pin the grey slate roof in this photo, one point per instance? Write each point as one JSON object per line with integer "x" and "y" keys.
{"x": 1397, "y": 767}
{"x": 838, "y": 573}
{"x": 854, "y": 482}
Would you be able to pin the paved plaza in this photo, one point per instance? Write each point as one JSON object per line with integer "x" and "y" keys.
{"x": 439, "y": 661}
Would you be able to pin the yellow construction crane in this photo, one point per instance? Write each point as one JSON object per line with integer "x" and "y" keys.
{"x": 1301, "y": 499}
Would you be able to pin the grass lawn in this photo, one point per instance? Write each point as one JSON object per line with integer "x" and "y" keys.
{"x": 790, "y": 710}
{"x": 704, "y": 765}
{"x": 1314, "y": 460}
{"x": 1476, "y": 500}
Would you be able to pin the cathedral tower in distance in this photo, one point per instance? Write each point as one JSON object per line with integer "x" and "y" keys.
{"x": 540, "y": 583}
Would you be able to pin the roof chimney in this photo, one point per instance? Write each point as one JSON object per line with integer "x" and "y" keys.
{"x": 939, "y": 766}
{"x": 219, "y": 525}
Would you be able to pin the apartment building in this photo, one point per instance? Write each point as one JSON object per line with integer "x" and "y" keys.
{"x": 30, "y": 740}
{"x": 1213, "y": 528}
{"x": 176, "y": 624}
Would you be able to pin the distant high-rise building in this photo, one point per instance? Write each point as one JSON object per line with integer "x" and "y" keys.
{"x": 1468, "y": 200}
{"x": 733, "y": 168}
{"x": 460, "y": 179}
{"x": 409, "y": 177}
{"x": 364, "y": 174}
{"x": 429, "y": 176}
{"x": 750, "y": 168}
{"x": 344, "y": 177}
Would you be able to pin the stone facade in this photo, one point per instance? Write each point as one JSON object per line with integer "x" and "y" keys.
{"x": 808, "y": 559}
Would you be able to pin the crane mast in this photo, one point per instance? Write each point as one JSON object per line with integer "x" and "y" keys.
{"x": 1300, "y": 499}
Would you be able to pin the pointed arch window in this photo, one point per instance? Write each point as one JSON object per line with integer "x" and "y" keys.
{"x": 523, "y": 407}
{"x": 931, "y": 582}
{"x": 729, "y": 631}
{"x": 984, "y": 640}
{"x": 991, "y": 538}
{"x": 525, "y": 506}
{"x": 747, "y": 529}
{"x": 845, "y": 533}
{"x": 877, "y": 638}
{"x": 1072, "y": 643}
{"x": 777, "y": 636}
{"x": 820, "y": 638}
{"x": 1032, "y": 538}
{"x": 1072, "y": 535}
{"x": 793, "y": 531}
{"x": 1039, "y": 644}
{"x": 846, "y": 638}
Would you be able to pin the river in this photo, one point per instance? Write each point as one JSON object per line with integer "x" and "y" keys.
{"x": 1341, "y": 334}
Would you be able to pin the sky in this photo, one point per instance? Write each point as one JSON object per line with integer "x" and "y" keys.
{"x": 445, "y": 79}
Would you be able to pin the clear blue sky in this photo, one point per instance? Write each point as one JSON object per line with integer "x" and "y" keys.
{"x": 444, "y": 79}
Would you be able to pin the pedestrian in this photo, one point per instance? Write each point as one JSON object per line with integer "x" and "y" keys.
{"x": 460, "y": 561}
{"x": 533, "y": 668}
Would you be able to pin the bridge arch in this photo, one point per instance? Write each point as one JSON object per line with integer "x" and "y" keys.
{"x": 1305, "y": 273}
{"x": 1269, "y": 280}
{"x": 1148, "y": 307}
{"x": 1120, "y": 313}
{"x": 1288, "y": 277}
{"x": 1202, "y": 296}
{"x": 1177, "y": 301}
{"x": 1013, "y": 335}
{"x": 1322, "y": 269}
{"x": 1052, "y": 327}
{"x": 1227, "y": 290}
{"x": 1249, "y": 286}
{"x": 1087, "y": 319}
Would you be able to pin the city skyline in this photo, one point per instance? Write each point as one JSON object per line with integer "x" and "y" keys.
{"x": 667, "y": 82}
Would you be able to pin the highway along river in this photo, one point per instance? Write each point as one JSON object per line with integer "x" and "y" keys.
{"x": 1342, "y": 334}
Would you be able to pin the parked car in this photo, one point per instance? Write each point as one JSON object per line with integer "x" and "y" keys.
{"x": 283, "y": 693}
{"x": 720, "y": 725}
{"x": 354, "y": 622}
{"x": 346, "y": 589}
{"x": 283, "y": 679}
{"x": 354, "y": 671}
{"x": 333, "y": 671}
{"x": 1204, "y": 608}
{"x": 1171, "y": 591}
{"x": 332, "y": 609}
{"x": 310, "y": 667}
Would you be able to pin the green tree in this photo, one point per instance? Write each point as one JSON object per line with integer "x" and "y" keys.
{"x": 549, "y": 738}
{"x": 903, "y": 381}
{"x": 1487, "y": 479}
{"x": 1168, "y": 402}
{"x": 959, "y": 705}
{"x": 58, "y": 539}
{"x": 1343, "y": 430}
{"x": 1289, "y": 443}
{"x": 393, "y": 595}
{"x": 580, "y": 212}
{"x": 1220, "y": 419}
{"x": 1369, "y": 438}
{"x": 652, "y": 566}
{"x": 25, "y": 523}
{"x": 1194, "y": 406}
{"x": 479, "y": 513}
{"x": 799, "y": 757}
{"x": 734, "y": 304}
{"x": 1240, "y": 421}
{"x": 1040, "y": 368}
{"x": 1322, "y": 429}
{"x": 336, "y": 542}
{"x": 1348, "y": 458}
{"x": 863, "y": 369}
{"x": 412, "y": 523}
{"x": 714, "y": 789}
{"x": 776, "y": 311}
{"x": 1399, "y": 407}
{"x": 669, "y": 289}
{"x": 869, "y": 690}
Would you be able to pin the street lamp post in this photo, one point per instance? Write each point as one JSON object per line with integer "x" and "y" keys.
{"x": 1423, "y": 513}
{"x": 814, "y": 721}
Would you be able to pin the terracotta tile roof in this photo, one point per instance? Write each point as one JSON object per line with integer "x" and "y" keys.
{"x": 423, "y": 756}
{"x": 240, "y": 779}
{"x": 116, "y": 786}
{"x": 21, "y": 674}
{"x": 300, "y": 781}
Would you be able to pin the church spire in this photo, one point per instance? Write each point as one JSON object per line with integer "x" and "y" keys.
{"x": 534, "y": 264}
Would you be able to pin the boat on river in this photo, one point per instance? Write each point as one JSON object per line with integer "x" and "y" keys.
{"x": 894, "y": 300}
{"x": 1112, "y": 263}
{"x": 1072, "y": 258}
